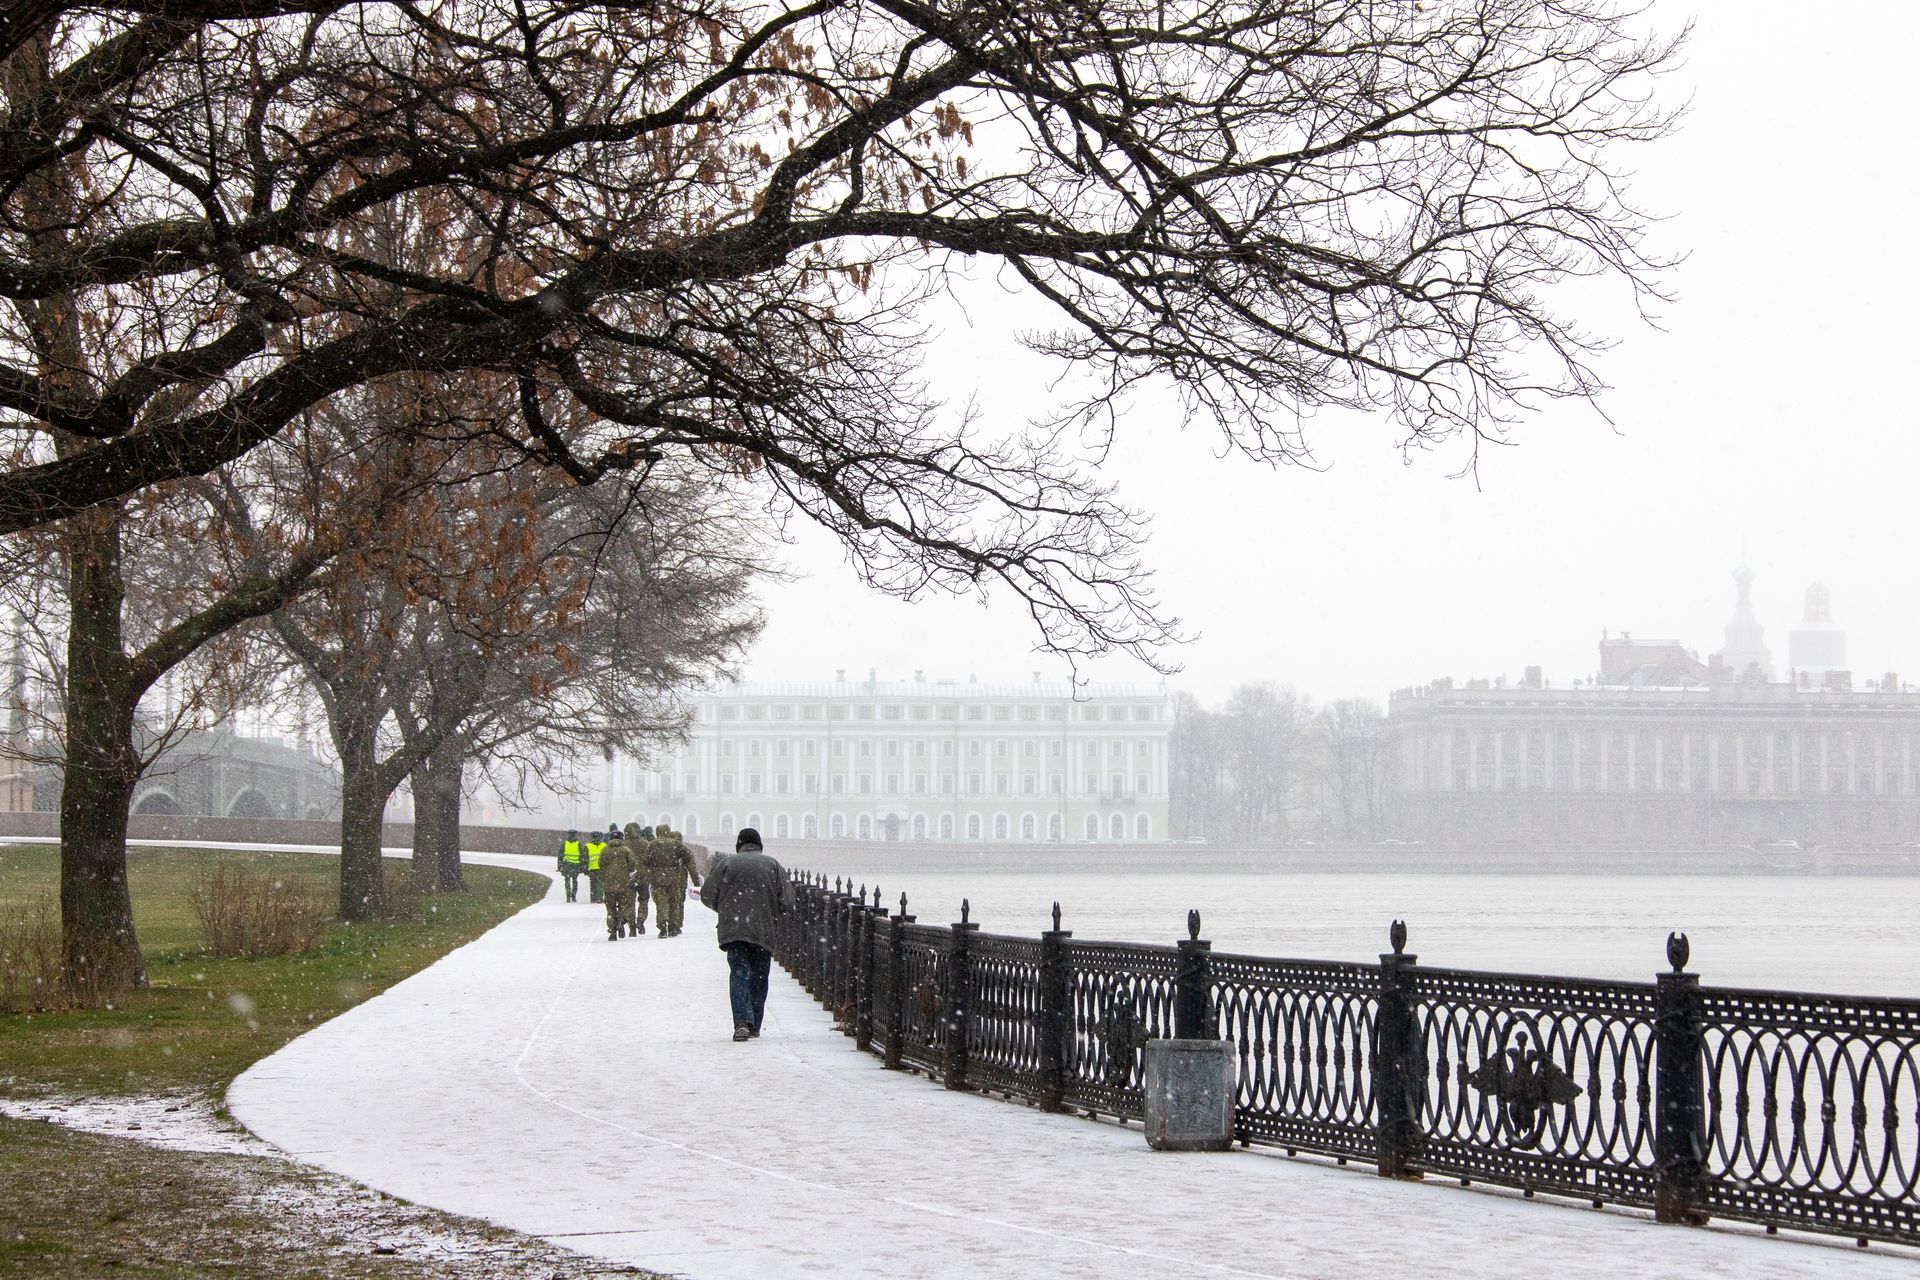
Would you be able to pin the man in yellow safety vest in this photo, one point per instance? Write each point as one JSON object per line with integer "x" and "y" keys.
{"x": 570, "y": 863}
{"x": 595, "y": 847}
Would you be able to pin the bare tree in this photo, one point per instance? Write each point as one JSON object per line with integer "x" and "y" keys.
{"x": 1265, "y": 729}
{"x": 447, "y": 553}
{"x": 1240, "y": 773}
{"x": 714, "y": 229}
{"x": 1353, "y": 749}
{"x": 140, "y": 615}
{"x": 661, "y": 576}
{"x": 1196, "y": 772}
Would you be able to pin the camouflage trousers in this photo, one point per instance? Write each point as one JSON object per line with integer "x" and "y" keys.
{"x": 620, "y": 918}
{"x": 671, "y": 895}
{"x": 640, "y": 907}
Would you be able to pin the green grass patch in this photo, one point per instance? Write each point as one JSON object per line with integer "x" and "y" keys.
{"x": 205, "y": 1020}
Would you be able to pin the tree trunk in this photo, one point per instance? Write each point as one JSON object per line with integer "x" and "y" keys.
{"x": 436, "y": 819}
{"x": 102, "y": 952}
{"x": 363, "y": 806}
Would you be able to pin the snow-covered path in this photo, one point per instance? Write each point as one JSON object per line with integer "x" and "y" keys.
{"x": 590, "y": 1092}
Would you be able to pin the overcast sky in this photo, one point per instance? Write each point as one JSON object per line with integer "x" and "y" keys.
{"x": 1769, "y": 420}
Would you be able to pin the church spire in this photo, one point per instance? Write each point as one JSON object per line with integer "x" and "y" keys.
{"x": 1746, "y": 646}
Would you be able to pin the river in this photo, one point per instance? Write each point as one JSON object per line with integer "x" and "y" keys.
{"x": 1849, "y": 934}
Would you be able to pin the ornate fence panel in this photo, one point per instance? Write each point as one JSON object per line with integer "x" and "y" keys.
{"x": 1813, "y": 1111}
{"x": 1119, "y": 996}
{"x": 1540, "y": 1083}
{"x": 926, "y": 992}
{"x": 882, "y": 982}
{"x": 1004, "y": 1023}
{"x": 1780, "y": 1108}
{"x": 1303, "y": 1035}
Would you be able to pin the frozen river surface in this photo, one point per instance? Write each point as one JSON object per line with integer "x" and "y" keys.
{"x": 1855, "y": 935}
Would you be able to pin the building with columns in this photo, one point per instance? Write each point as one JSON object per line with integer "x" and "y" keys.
{"x": 1606, "y": 766}
{"x": 908, "y": 761}
{"x": 1662, "y": 750}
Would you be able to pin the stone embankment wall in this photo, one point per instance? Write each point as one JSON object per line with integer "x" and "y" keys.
{"x": 866, "y": 857}
{"x": 533, "y": 840}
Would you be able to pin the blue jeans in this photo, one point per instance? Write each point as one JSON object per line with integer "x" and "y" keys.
{"x": 748, "y": 964}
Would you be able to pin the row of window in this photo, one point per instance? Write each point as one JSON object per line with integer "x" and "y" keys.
{"x": 1645, "y": 760}
{"x": 1057, "y": 711}
{"x": 922, "y": 784}
{"x": 927, "y": 748}
{"x": 1002, "y": 826}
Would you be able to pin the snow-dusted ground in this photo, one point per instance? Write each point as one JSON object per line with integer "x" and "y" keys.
{"x": 590, "y": 1092}
{"x": 177, "y": 1122}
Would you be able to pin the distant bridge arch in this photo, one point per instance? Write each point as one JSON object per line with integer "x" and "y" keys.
{"x": 252, "y": 802}
{"x": 160, "y": 803}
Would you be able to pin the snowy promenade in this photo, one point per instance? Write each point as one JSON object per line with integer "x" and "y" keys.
{"x": 590, "y": 1092}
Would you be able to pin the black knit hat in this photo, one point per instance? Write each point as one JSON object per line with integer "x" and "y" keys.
{"x": 747, "y": 836}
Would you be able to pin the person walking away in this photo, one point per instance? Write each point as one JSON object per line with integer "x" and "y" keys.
{"x": 644, "y": 858}
{"x": 570, "y": 864}
{"x": 673, "y": 863}
{"x": 618, "y": 871}
{"x": 749, "y": 892}
{"x": 596, "y": 849}
{"x": 640, "y": 841}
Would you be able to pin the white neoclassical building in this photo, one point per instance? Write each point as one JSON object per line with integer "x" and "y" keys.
{"x": 912, "y": 760}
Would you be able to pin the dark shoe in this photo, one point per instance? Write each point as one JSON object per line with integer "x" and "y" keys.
{"x": 741, "y": 1031}
{"x": 753, "y": 1033}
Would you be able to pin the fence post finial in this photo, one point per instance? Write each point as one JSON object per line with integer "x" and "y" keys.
{"x": 1397, "y": 935}
{"x": 964, "y": 908}
{"x": 903, "y": 904}
{"x": 1056, "y": 917}
{"x": 1680, "y": 1143}
{"x": 1193, "y": 925}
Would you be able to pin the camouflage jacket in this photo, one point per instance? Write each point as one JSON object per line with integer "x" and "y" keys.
{"x": 670, "y": 861}
{"x": 618, "y": 867}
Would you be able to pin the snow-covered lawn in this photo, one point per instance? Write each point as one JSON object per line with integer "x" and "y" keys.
{"x": 590, "y": 1092}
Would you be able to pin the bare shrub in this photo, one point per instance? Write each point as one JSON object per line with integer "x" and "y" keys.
{"x": 402, "y": 892}
{"x": 32, "y": 979}
{"x": 244, "y": 914}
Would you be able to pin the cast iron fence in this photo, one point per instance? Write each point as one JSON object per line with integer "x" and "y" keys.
{"x": 1772, "y": 1107}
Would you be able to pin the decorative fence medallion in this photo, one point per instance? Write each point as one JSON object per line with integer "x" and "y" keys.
{"x": 1125, "y": 1033}
{"x": 927, "y": 997}
{"x": 1526, "y": 1083}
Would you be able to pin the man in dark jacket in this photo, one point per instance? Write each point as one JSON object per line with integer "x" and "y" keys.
{"x": 749, "y": 892}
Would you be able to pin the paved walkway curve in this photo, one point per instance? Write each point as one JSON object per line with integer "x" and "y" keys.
{"x": 590, "y": 1092}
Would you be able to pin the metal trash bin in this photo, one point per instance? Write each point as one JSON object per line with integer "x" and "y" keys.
{"x": 1189, "y": 1095}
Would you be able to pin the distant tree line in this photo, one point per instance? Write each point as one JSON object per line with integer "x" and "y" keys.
{"x": 1268, "y": 767}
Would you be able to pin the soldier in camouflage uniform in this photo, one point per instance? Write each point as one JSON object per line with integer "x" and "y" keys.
{"x": 670, "y": 864}
{"x": 618, "y": 871}
{"x": 640, "y": 839}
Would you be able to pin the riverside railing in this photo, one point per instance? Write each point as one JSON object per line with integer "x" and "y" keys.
{"x": 1772, "y": 1107}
